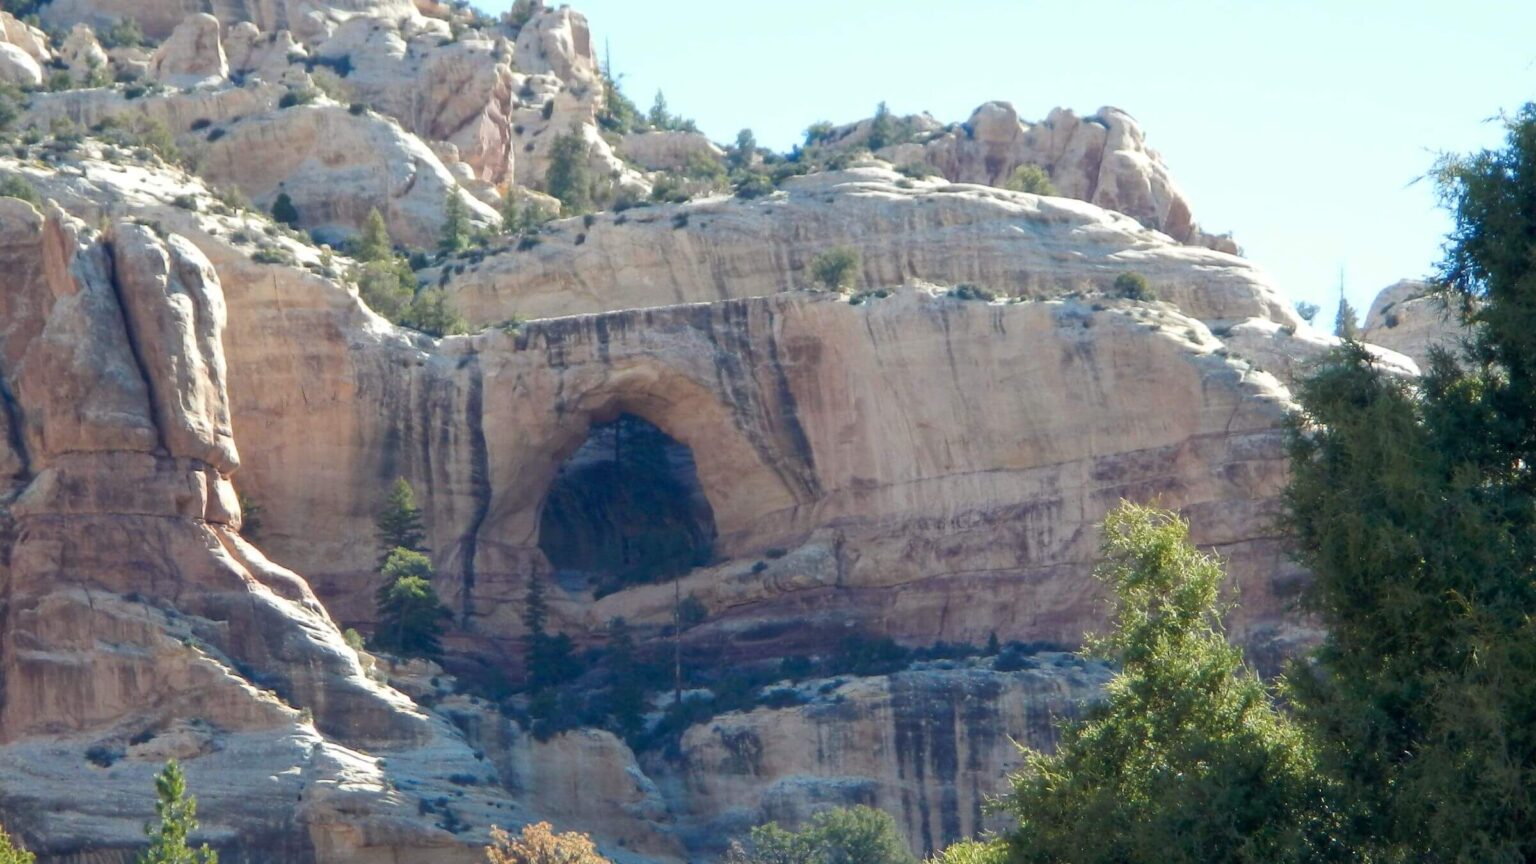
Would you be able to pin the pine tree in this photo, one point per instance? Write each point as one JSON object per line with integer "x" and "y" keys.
{"x": 1187, "y": 760}
{"x": 177, "y": 813}
{"x": 399, "y": 523}
{"x": 373, "y": 244}
{"x": 659, "y": 118}
{"x": 455, "y": 223}
{"x": 535, "y": 607}
{"x": 283, "y": 210}
{"x": 411, "y": 617}
{"x": 569, "y": 177}
{"x": 626, "y": 696}
{"x": 882, "y": 129}
{"x": 1345, "y": 321}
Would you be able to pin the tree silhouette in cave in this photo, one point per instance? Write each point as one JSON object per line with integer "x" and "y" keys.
{"x": 626, "y": 509}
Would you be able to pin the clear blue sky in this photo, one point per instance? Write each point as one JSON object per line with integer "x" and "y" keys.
{"x": 1299, "y": 125}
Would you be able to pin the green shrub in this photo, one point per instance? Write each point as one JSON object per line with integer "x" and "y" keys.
{"x": 1031, "y": 179}
{"x": 852, "y": 835}
{"x": 298, "y": 96}
{"x": 836, "y": 269}
{"x": 124, "y": 33}
{"x": 1133, "y": 286}
{"x": 967, "y": 291}
{"x": 17, "y": 186}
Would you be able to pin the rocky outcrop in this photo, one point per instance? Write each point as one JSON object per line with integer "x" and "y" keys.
{"x": 1102, "y": 158}
{"x": 158, "y": 19}
{"x": 669, "y": 151}
{"x": 192, "y": 55}
{"x": 1411, "y": 317}
{"x": 23, "y": 50}
{"x": 139, "y": 625}
{"x": 1010, "y": 243}
{"x": 336, "y": 166}
{"x": 82, "y": 54}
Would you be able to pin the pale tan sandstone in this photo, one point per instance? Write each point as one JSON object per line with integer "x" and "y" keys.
{"x": 29, "y": 39}
{"x": 1013, "y": 243}
{"x": 81, "y": 53}
{"x": 1410, "y": 316}
{"x": 159, "y": 18}
{"x": 192, "y": 55}
{"x": 1102, "y": 158}
{"x": 336, "y": 167}
{"x": 668, "y": 151}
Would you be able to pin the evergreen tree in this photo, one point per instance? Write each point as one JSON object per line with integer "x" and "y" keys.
{"x": 399, "y": 522}
{"x": 1030, "y": 178}
{"x": 745, "y": 150}
{"x": 535, "y": 607}
{"x": 626, "y": 695}
{"x": 283, "y": 210}
{"x": 431, "y": 313}
{"x": 569, "y": 177}
{"x": 177, "y": 812}
{"x": 1414, "y": 507}
{"x": 882, "y": 129}
{"x": 411, "y": 617}
{"x": 455, "y": 223}
{"x": 373, "y": 244}
{"x": 659, "y": 118}
{"x": 1187, "y": 761}
{"x": 1346, "y": 320}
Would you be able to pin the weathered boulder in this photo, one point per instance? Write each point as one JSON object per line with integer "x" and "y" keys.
{"x": 336, "y": 166}
{"x": 192, "y": 55}
{"x": 32, "y": 41}
{"x": 82, "y": 54}
{"x": 559, "y": 42}
{"x": 1411, "y": 317}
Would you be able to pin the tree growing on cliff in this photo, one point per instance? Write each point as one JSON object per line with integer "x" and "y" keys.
{"x": 551, "y": 659}
{"x": 1187, "y": 760}
{"x": 177, "y": 820}
{"x": 1414, "y": 507}
{"x": 373, "y": 242}
{"x": 569, "y": 177}
{"x": 399, "y": 522}
{"x": 411, "y": 617}
{"x": 283, "y": 210}
{"x": 836, "y": 269}
{"x": 456, "y": 227}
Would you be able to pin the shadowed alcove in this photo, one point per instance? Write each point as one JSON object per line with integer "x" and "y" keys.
{"x": 626, "y": 509}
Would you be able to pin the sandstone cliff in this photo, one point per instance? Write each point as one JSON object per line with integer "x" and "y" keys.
{"x": 908, "y": 459}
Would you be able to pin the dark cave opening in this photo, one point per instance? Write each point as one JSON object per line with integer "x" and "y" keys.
{"x": 626, "y": 509}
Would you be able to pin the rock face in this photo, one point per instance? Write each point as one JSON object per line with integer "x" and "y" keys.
{"x": 139, "y": 625}
{"x": 930, "y": 746}
{"x": 668, "y": 151}
{"x": 1011, "y": 243}
{"x": 1410, "y": 317}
